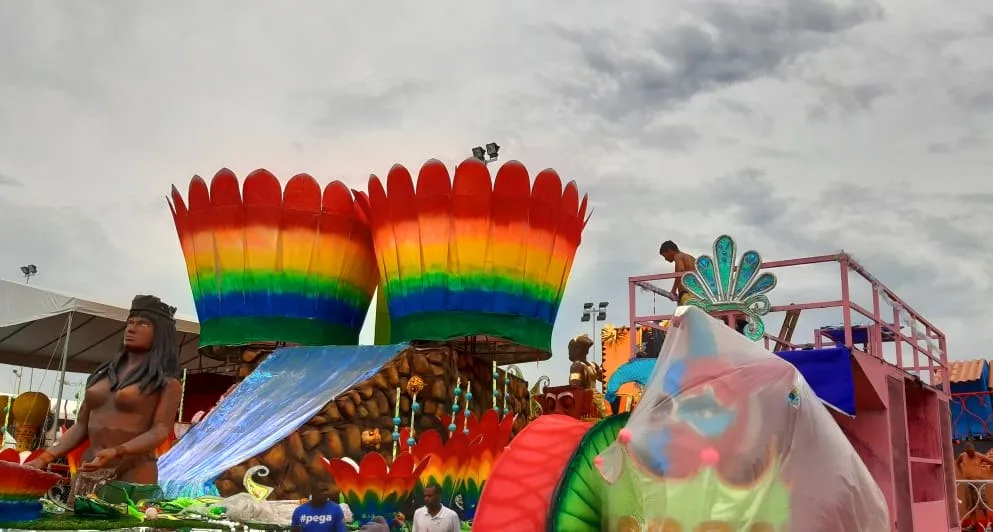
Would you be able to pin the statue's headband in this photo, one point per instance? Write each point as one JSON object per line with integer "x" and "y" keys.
{"x": 153, "y": 305}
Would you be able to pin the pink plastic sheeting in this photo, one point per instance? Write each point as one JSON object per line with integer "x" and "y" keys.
{"x": 728, "y": 436}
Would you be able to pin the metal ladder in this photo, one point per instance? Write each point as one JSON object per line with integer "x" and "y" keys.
{"x": 786, "y": 331}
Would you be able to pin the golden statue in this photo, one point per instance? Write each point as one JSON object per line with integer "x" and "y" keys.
{"x": 585, "y": 374}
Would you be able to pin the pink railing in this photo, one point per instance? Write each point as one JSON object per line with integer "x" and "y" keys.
{"x": 929, "y": 362}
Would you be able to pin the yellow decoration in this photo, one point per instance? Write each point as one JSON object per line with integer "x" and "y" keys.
{"x": 610, "y": 335}
{"x": 29, "y": 411}
{"x": 258, "y": 491}
{"x": 415, "y": 385}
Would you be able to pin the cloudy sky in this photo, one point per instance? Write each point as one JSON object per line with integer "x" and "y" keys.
{"x": 800, "y": 127}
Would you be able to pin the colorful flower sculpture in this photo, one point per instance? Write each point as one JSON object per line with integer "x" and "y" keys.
{"x": 488, "y": 437}
{"x": 22, "y": 487}
{"x": 448, "y": 461}
{"x": 268, "y": 263}
{"x": 372, "y": 487}
{"x": 470, "y": 254}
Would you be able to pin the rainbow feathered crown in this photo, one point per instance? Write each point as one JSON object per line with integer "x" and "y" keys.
{"x": 268, "y": 264}
{"x": 469, "y": 256}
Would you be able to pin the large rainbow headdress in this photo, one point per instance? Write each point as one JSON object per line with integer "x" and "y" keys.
{"x": 470, "y": 255}
{"x": 272, "y": 264}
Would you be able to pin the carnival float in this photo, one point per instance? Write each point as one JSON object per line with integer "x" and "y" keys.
{"x": 698, "y": 427}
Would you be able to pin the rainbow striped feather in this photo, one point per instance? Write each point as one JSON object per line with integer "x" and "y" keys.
{"x": 470, "y": 255}
{"x": 274, "y": 264}
{"x": 371, "y": 487}
{"x": 22, "y": 487}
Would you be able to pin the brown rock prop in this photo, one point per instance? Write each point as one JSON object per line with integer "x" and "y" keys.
{"x": 336, "y": 431}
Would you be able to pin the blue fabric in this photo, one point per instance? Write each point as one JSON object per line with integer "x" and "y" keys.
{"x": 327, "y": 518}
{"x": 970, "y": 413}
{"x": 637, "y": 370}
{"x": 288, "y": 388}
{"x": 829, "y": 374}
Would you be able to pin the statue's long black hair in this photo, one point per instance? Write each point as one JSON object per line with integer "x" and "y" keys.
{"x": 162, "y": 362}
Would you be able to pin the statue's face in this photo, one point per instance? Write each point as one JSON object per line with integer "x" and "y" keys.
{"x": 569, "y": 401}
{"x": 371, "y": 439}
{"x": 579, "y": 348}
{"x": 138, "y": 334}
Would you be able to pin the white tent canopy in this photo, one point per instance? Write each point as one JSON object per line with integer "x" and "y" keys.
{"x": 34, "y": 323}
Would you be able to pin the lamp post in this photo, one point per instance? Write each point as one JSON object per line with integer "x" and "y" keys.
{"x": 488, "y": 154}
{"x": 595, "y": 315}
{"x": 18, "y": 373}
{"x": 29, "y": 271}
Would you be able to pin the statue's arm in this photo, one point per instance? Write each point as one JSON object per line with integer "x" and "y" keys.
{"x": 576, "y": 373}
{"x": 162, "y": 423}
{"x": 73, "y": 437}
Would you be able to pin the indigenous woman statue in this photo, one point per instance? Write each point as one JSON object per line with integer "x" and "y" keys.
{"x": 130, "y": 403}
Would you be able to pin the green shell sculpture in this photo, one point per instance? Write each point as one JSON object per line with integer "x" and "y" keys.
{"x": 576, "y": 502}
{"x": 720, "y": 285}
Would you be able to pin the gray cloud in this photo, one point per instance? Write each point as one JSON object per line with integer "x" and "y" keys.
{"x": 368, "y": 107}
{"x": 8, "y": 181}
{"x": 836, "y": 99}
{"x": 725, "y": 44}
{"x": 970, "y": 140}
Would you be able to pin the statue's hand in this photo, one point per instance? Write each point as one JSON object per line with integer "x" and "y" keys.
{"x": 42, "y": 461}
{"x": 100, "y": 461}
{"x": 37, "y": 463}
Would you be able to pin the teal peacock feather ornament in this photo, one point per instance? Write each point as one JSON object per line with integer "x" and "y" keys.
{"x": 718, "y": 285}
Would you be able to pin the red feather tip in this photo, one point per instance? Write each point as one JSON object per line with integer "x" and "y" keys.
{"x": 302, "y": 193}
{"x": 262, "y": 188}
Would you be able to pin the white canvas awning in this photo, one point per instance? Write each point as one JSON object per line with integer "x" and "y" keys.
{"x": 33, "y": 323}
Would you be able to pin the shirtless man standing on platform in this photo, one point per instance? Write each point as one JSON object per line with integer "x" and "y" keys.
{"x": 684, "y": 262}
{"x": 970, "y": 466}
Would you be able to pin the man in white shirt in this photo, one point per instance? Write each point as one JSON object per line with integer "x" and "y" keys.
{"x": 433, "y": 516}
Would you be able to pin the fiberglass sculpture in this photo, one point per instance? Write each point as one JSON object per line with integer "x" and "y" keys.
{"x": 729, "y": 436}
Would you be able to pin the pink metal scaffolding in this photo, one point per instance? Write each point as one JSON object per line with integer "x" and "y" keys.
{"x": 902, "y": 427}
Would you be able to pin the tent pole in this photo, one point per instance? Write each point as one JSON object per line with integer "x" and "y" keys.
{"x": 62, "y": 376}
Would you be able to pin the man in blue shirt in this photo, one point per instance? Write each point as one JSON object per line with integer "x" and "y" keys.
{"x": 320, "y": 514}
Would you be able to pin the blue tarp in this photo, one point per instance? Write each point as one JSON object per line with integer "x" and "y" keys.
{"x": 288, "y": 388}
{"x": 829, "y": 373}
{"x": 971, "y": 413}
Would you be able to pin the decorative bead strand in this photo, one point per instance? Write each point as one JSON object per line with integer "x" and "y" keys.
{"x": 455, "y": 406}
{"x": 468, "y": 408}
{"x": 182, "y": 396}
{"x": 396, "y": 424}
{"x": 495, "y": 391}
{"x": 506, "y": 379}
{"x": 414, "y": 387}
{"x": 414, "y": 408}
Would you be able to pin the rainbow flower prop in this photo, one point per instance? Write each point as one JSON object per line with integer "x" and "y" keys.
{"x": 469, "y": 255}
{"x": 22, "y": 487}
{"x": 272, "y": 264}
{"x": 488, "y": 436}
{"x": 373, "y": 488}
{"x": 448, "y": 461}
